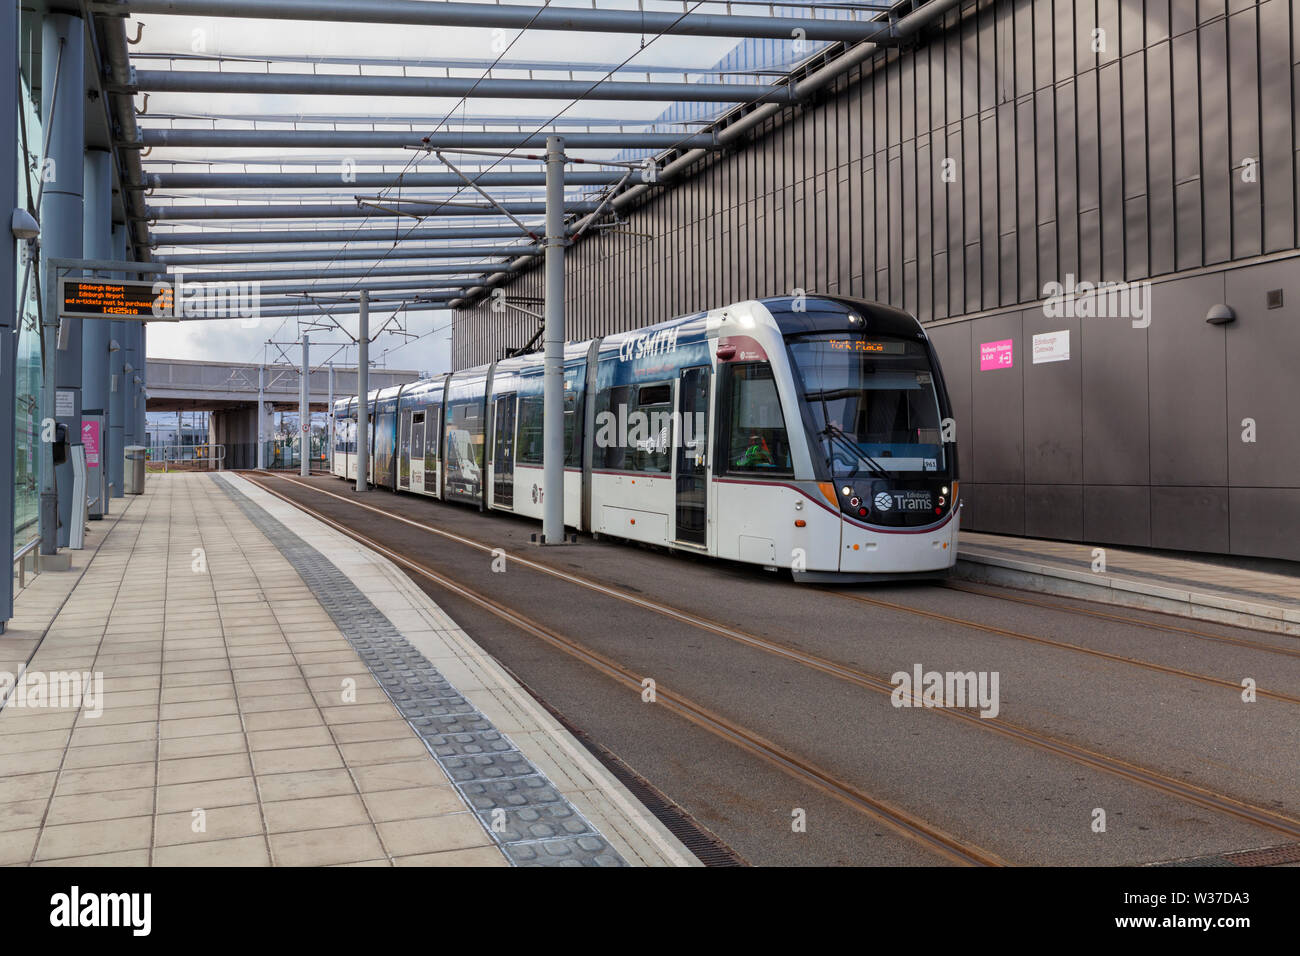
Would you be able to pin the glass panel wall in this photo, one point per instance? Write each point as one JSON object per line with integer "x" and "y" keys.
{"x": 28, "y": 384}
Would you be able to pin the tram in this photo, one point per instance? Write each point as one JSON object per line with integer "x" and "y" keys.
{"x": 811, "y": 433}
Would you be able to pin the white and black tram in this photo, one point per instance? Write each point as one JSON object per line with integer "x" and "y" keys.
{"x": 809, "y": 433}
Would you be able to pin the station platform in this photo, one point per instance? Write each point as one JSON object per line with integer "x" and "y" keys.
{"x": 1182, "y": 585}
{"x": 275, "y": 694}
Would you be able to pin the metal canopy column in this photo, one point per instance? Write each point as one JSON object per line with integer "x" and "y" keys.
{"x": 97, "y": 243}
{"x": 141, "y": 420}
{"x": 261, "y": 417}
{"x": 130, "y": 369}
{"x": 111, "y": 453}
{"x": 553, "y": 367}
{"x": 62, "y": 65}
{"x": 304, "y": 409}
{"x": 363, "y": 386}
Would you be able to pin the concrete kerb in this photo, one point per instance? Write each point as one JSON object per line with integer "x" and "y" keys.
{"x": 1126, "y": 592}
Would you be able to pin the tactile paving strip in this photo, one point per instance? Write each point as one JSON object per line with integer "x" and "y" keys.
{"x": 533, "y": 823}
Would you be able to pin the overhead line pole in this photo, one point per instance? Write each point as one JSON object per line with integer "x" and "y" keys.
{"x": 553, "y": 365}
{"x": 304, "y": 410}
{"x": 363, "y": 387}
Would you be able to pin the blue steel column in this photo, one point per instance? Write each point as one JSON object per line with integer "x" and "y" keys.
{"x": 97, "y": 243}
{"x": 130, "y": 335}
{"x": 10, "y": 316}
{"x": 115, "y": 442}
{"x": 363, "y": 388}
{"x": 553, "y": 357}
{"x": 304, "y": 409}
{"x": 62, "y": 54}
{"x": 142, "y": 351}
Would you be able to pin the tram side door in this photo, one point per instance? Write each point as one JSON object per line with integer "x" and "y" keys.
{"x": 692, "y": 443}
{"x": 503, "y": 452}
{"x": 415, "y": 449}
{"x": 402, "y": 451}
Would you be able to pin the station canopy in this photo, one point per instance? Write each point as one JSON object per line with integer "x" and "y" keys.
{"x": 322, "y": 147}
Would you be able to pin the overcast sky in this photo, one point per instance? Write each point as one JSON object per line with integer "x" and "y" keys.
{"x": 426, "y": 347}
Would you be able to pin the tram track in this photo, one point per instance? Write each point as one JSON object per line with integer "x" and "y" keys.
{"x": 1060, "y": 645}
{"x": 1169, "y": 786}
{"x": 900, "y": 821}
{"x": 997, "y": 593}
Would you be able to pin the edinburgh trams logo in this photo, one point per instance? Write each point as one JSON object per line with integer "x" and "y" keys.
{"x": 903, "y": 501}
{"x": 647, "y": 346}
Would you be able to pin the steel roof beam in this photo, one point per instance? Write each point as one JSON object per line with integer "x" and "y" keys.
{"x": 443, "y": 63}
{"x": 380, "y": 139}
{"x": 336, "y": 271}
{"x": 319, "y": 255}
{"x": 415, "y": 284}
{"x": 341, "y": 211}
{"x": 422, "y": 119}
{"x": 336, "y": 180}
{"x": 309, "y": 310}
{"x": 454, "y": 87}
{"x": 263, "y": 301}
{"x": 567, "y": 19}
{"x": 349, "y": 236}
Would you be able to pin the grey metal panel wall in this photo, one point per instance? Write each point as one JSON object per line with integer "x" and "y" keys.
{"x": 1105, "y": 139}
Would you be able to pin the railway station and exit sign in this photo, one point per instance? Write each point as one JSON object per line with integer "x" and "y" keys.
{"x": 996, "y": 355}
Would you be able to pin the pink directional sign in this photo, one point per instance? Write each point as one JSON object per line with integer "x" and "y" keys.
{"x": 995, "y": 355}
{"x": 90, "y": 438}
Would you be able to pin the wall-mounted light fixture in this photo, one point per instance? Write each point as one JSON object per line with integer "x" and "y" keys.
{"x": 24, "y": 225}
{"x": 1220, "y": 315}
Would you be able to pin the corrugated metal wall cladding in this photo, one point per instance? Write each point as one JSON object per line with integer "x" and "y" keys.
{"x": 1025, "y": 140}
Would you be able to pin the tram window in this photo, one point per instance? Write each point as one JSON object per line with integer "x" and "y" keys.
{"x": 609, "y": 451}
{"x": 650, "y": 395}
{"x": 650, "y": 433}
{"x": 634, "y": 430}
{"x": 417, "y": 418}
{"x": 530, "y": 444}
{"x": 756, "y": 436}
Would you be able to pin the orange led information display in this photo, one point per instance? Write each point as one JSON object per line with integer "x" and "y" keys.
{"x": 862, "y": 345}
{"x": 99, "y": 297}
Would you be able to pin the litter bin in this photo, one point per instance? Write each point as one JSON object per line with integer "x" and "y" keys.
{"x": 133, "y": 470}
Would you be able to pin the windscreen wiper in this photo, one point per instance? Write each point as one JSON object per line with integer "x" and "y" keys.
{"x": 845, "y": 443}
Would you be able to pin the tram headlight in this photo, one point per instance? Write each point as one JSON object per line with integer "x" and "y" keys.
{"x": 943, "y": 490}
{"x": 846, "y": 490}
